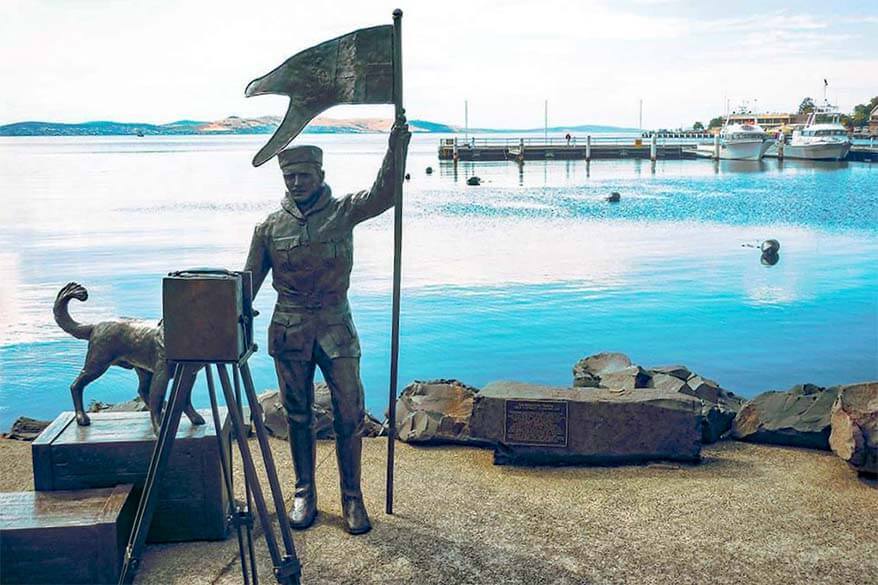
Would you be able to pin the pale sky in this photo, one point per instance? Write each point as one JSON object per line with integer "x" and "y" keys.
{"x": 164, "y": 60}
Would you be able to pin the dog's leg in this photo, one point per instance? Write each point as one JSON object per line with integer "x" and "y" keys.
{"x": 195, "y": 418}
{"x": 157, "y": 389}
{"x": 145, "y": 380}
{"x": 90, "y": 372}
{"x": 192, "y": 414}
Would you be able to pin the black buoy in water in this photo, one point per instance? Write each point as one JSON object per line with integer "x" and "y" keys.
{"x": 429, "y": 170}
{"x": 770, "y": 247}
{"x": 408, "y": 177}
{"x": 770, "y": 255}
{"x": 474, "y": 181}
{"x": 614, "y": 197}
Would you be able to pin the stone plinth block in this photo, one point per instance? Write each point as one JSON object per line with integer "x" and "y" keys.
{"x": 116, "y": 449}
{"x": 537, "y": 425}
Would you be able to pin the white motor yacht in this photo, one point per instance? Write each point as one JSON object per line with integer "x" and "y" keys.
{"x": 827, "y": 140}
{"x": 743, "y": 142}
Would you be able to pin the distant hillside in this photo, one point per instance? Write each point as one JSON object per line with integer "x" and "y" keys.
{"x": 261, "y": 125}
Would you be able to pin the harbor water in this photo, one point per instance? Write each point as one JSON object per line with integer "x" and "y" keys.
{"x": 517, "y": 278}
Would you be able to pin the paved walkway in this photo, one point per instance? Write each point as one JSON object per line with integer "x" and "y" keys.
{"x": 747, "y": 514}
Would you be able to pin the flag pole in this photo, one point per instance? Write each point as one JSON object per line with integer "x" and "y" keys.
{"x": 397, "y": 259}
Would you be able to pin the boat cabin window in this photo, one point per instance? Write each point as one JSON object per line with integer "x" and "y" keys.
{"x": 824, "y": 133}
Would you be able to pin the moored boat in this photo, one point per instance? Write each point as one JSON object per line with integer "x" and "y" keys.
{"x": 743, "y": 142}
{"x": 827, "y": 140}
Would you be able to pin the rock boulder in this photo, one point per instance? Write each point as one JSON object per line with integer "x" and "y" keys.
{"x": 615, "y": 371}
{"x": 26, "y": 429}
{"x": 275, "y": 417}
{"x": 799, "y": 417}
{"x": 601, "y": 426}
{"x": 434, "y": 412}
{"x": 587, "y": 371}
{"x": 629, "y": 378}
{"x": 136, "y": 404}
{"x": 718, "y": 406}
{"x": 854, "y": 435}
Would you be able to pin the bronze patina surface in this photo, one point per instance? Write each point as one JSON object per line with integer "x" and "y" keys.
{"x": 64, "y": 536}
{"x": 356, "y": 68}
{"x": 116, "y": 448}
{"x": 308, "y": 247}
{"x": 127, "y": 343}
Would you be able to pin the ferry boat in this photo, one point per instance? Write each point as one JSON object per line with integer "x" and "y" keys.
{"x": 820, "y": 140}
{"x": 743, "y": 142}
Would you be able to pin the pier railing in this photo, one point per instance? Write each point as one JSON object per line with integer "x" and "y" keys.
{"x": 653, "y": 146}
{"x": 577, "y": 147}
{"x": 575, "y": 141}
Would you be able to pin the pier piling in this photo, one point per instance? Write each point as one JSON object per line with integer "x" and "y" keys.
{"x": 653, "y": 147}
{"x": 588, "y": 147}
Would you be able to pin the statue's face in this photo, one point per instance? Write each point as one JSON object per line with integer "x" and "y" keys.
{"x": 303, "y": 183}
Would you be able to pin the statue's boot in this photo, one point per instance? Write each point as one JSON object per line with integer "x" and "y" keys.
{"x": 303, "y": 446}
{"x": 349, "y": 451}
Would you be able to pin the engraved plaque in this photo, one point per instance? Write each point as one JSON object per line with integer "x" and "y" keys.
{"x": 540, "y": 423}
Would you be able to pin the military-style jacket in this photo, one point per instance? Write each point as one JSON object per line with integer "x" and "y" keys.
{"x": 311, "y": 256}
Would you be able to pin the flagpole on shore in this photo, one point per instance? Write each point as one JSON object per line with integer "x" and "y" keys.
{"x": 397, "y": 260}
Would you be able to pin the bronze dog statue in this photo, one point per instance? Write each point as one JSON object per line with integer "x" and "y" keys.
{"x": 128, "y": 343}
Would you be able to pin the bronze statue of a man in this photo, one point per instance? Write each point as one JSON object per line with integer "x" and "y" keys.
{"x": 308, "y": 246}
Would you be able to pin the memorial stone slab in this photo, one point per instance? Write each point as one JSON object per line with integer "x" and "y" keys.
{"x": 542, "y": 425}
{"x": 65, "y": 536}
{"x": 116, "y": 448}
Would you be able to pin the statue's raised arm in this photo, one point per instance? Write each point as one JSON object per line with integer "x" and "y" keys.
{"x": 380, "y": 198}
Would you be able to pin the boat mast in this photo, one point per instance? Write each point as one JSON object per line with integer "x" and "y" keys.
{"x": 546, "y": 122}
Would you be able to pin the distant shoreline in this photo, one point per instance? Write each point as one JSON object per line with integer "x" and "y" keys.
{"x": 234, "y": 125}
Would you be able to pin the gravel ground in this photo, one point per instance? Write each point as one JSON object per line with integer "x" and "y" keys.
{"x": 747, "y": 514}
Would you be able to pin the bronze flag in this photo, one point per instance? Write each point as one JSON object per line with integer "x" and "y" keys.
{"x": 356, "y": 68}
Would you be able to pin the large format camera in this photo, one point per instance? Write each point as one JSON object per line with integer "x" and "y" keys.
{"x": 207, "y": 315}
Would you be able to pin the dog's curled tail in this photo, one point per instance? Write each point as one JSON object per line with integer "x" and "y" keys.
{"x": 71, "y": 290}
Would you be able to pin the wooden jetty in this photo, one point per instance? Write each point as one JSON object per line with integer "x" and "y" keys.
{"x": 580, "y": 148}
{"x": 863, "y": 154}
{"x": 653, "y": 147}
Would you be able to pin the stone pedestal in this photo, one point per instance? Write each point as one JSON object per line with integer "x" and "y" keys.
{"x": 541, "y": 425}
{"x": 63, "y": 536}
{"x": 116, "y": 448}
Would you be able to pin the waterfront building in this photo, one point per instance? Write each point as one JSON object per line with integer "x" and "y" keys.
{"x": 769, "y": 122}
{"x": 873, "y": 121}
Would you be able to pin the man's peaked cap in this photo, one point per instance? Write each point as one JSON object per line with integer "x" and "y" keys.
{"x": 300, "y": 155}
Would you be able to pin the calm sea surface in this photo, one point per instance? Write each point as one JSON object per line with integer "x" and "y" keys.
{"x": 515, "y": 279}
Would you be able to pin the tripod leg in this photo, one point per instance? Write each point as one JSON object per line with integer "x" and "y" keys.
{"x": 227, "y": 473}
{"x": 184, "y": 378}
{"x": 271, "y": 470}
{"x": 236, "y": 378}
{"x": 286, "y": 572}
